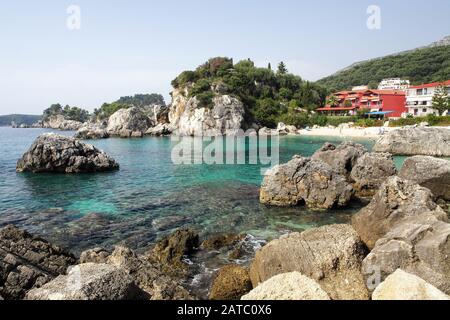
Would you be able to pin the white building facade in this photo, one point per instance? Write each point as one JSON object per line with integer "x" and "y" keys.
{"x": 394, "y": 84}
{"x": 419, "y": 99}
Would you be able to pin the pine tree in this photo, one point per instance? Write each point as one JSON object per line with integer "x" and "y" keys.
{"x": 441, "y": 100}
{"x": 282, "y": 68}
{"x": 269, "y": 66}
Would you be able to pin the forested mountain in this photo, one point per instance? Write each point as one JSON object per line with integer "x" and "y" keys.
{"x": 422, "y": 65}
{"x": 18, "y": 119}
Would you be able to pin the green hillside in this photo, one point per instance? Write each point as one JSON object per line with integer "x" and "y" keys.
{"x": 422, "y": 65}
{"x": 19, "y": 119}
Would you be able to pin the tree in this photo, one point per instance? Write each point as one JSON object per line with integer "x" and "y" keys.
{"x": 269, "y": 66}
{"x": 333, "y": 101}
{"x": 441, "y": 99}
{"x": 282, "y": 68}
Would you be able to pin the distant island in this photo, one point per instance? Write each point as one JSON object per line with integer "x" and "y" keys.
{"x": 26, "y": 119}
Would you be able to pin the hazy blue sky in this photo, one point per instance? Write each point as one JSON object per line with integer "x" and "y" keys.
{"x": 128, "y": 47}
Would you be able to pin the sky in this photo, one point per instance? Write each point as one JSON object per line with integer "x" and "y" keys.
{"x": 128, "y": 47}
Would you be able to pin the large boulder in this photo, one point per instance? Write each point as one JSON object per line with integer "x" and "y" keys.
{"x": 331, "y": 255}
{"x": 419, "y": 245}
{"x": 370, "y": 171}
{"x": 56, "y": 153}
{"x": 148, "y": 276}
{"x": 307, "y": 181}
{"x": 405, "y": 286}
{"x": 161, "y": 129}
{"x": 60, "y": 123}
{"x": 231, "y": 283}
{"x": 288, "y": 286}
{"x": 131, "y": 122}
{"x": 415, "y": 141}
{"x": 395, "y": 200}
{"x": 96, "y": 255}
{"x": 225, "y": 115}
{"x": 89, "y": 281}
{"x": 429, "y": 172}
{"x": 341, "y": 158}
{"x": 28, "y": 262}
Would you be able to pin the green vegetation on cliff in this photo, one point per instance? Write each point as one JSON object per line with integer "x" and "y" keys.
{"x": 268, "y": 96}
{"x": 69, "y": 113}
{"x": 422, "y": 65}
{"x": 138, "y": 100}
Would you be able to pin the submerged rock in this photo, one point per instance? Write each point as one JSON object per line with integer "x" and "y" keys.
{"x": 405, "y": 286}
{"x": 415, "y": 141}
{"x": 89, "y": 281}
{"x": 429, "y": 172}
{"x": 131, "y": 122}
{"x": 231, "y": 283}
{"x": 341, "y": 158}
{"x": 370, "y": 171}
{"x": 28, "y": 262}
{"x": 288, "y": 286}
{"x": 395, "y": 200}
{"x": 56, "y": 153}
{"x": 419, "y": 245}
{"x": 331, "y": 255}
{"x": 303, "y": 180}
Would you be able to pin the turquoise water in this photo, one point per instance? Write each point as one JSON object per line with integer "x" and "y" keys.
{"x": 148, "y": 197}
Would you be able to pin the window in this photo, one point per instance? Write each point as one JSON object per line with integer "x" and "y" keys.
{"x": 425, "y": 91}
{"x": 424, "y": 110}
{"x": 416, "y": 111}
{"x": 419, "y": 92}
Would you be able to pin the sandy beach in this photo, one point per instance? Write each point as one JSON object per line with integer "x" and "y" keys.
{"x": 354, "y": 132}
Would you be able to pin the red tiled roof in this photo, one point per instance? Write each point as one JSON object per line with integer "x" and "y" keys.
{"x": 431, "y": 85}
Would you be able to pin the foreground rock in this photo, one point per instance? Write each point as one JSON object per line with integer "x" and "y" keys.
{"x": 419, "y": 245}
{"x": 28, "y": 262}
{"x": 405, "y": 286}
{"x": 341, "y": 158}
{"x": 148, "y": 276}
{"x": 89, "y": 281}
{"x": 370, "y": 171}
{"x": 396, "y": 200}
{"x": 307, "y": 181}
{"x": 171, "y": 250}
{"x": 415, "y": 141}
{"x": 96, "y": 255}
{"x": 56, "y": 153}
{"x": 231, "y": 283}
{"x": 331, "y": 255}
{"x": 131, "y": 122}
{"x": 288, "y": 286}
{"x": 429, "y": 172}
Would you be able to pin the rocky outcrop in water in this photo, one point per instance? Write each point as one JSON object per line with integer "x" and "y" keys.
{"x": 419, "y": 245}
{"x": 92, "y": 131}
{"x": 396, "y": 200}
{"x": 415, "y": 141}
{"x": 231, "y": 283}
{"x": 60, "y": 123}
{"x": 225, "y": 115}
{"x": 161, "y": 129}
{"x": 56, "y": 153}
{"x": 131, "y": 122}
{"x": 288, "y": 286}
{"x": 404, "y": 286}
{"x": 429, "y": 172}
{"x": 308, "y": 181}
{"x": 28, "y": 262}
{"x": 341, "y": 158}
{"x": 331, "y": 255}
{"x": 89, "y": 281}
{"x": 370, "y": 171}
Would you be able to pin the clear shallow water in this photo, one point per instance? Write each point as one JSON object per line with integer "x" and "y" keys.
{"x": 149, "y": 196}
